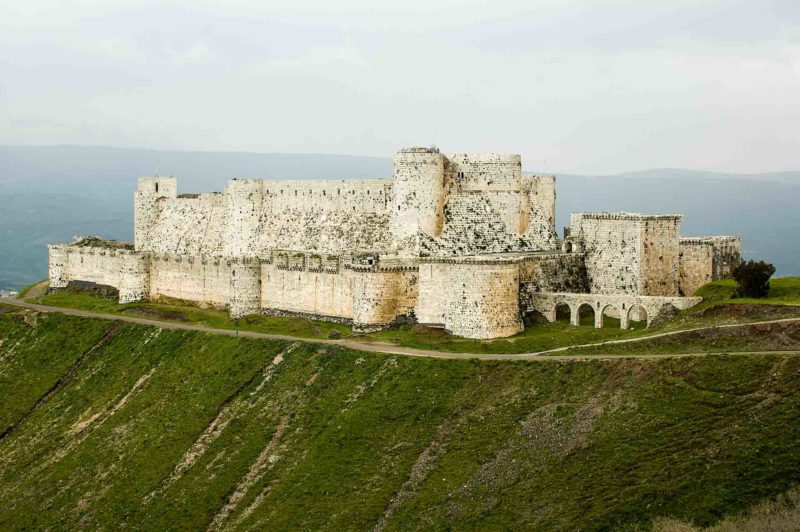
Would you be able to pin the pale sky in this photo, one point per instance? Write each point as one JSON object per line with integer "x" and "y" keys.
{"x": 573, "y": 86}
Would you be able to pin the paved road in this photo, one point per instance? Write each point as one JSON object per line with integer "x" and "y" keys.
{"x": 409, "y": 351}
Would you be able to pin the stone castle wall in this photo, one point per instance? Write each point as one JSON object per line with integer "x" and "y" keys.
{"x": 630, "y": 253}
{"x": 696, "y": 265}
{"x": 465, "y": 242}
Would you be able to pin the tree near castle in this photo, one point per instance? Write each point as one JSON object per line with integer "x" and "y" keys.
{"x": 752, "y": 278}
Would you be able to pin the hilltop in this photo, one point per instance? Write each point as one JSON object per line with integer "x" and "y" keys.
{"x": 107, "y": 425}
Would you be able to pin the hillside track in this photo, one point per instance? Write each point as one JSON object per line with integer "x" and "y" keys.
{"x": 375, "y": 347}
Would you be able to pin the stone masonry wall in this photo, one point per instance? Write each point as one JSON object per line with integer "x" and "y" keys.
{"x": 696, "y": 265}
{"x": 382, "y": 297}
{"x": 319, "y": 293}
{"x": 204, "y": 280}
{"x": 660, "y": 256}
{"x": 483, "y": 300}
{"x": 612, "y": 247}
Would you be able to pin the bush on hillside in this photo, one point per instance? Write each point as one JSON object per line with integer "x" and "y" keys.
{"x": 752, "y": 278}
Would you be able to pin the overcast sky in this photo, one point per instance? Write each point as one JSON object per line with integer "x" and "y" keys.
{"x": 574, "y": 86}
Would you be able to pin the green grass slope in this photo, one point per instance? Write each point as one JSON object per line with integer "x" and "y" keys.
{"x": 111, "y": 425}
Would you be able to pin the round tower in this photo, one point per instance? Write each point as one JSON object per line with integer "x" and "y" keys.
{"x": 419, "y": 194}
{"x": 134, "y": 278}
{"x": 245, "y": 287}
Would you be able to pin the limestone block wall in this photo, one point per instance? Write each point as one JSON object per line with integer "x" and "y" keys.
{"x": 95, "y": 265}
{"x": 57, "y": 265}
{"x": 191, "y": 224}
{"x": 726, "y": 251}
{"x": 134, "y": 276}
{"x": 551, "y": 272}
{"x": 145, "y": 215}
{"x": 381, "y": 296}
{"x": 245, "y": 286}
{"x": 486, "y": 172}
{"x": 419, "y": 195}
{"x": 433, "y": 292}
{"x": 540, "y": 192}
{"x": 660, "y": 261}
{"x": 612, "y": 245}
{"x": 483, "y": 299}
{"x": 202, "y": 279}
{"x": 630, "y": 253}
{"x": 696, "y": 264}
{"x": 244, "y": 200}
{"x": 325, "y": 293}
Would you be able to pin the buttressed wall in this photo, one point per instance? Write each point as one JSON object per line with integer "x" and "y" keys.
{"x": 465, "y": 242}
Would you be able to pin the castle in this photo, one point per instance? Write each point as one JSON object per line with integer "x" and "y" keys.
{"x": 464, "y": 242}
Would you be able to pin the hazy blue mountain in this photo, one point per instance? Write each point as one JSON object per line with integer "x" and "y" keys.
{"x": 49, "y": 194}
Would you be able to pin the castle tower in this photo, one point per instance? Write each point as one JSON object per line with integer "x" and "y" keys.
{"x": 245, "y": 203}
{"x": 150, "y": 190}
{"x": 419, "y": 195}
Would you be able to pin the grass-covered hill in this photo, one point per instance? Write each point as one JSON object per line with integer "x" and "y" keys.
{"x": 109, "y": 425}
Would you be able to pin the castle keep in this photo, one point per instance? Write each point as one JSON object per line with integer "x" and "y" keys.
{"x": 464, "y": 242}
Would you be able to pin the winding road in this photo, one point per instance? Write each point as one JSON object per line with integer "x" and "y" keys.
{"x": 376, "y": 347}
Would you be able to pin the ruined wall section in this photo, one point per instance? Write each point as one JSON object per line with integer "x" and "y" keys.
{"x": 660, "y": 256}
{"x": 124, "y": 269}
{"x": 696, "y": 264}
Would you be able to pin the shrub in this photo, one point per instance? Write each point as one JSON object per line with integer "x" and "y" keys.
{"x": 752, "y": 278}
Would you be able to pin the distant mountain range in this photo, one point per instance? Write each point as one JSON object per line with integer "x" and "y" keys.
{"x": 49, "y": 194}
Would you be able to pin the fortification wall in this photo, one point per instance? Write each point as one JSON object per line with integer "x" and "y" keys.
{"x": 630, "y": 253}
{"x": 382, "y": 296}
{"x": 419, "y": 196}
{"x": 193, "y": 224}
{"x": 245, "y": 286}
{"x": 696, "y": 264}
{"x": 205, "y": 280}
{"x": 145, "y": 216}
{"x": 486, "y": 172}
{"x": 483, "y": 300}
{"x": 660, "y": 262}
{"x": 540, "y": 192}
{"x": 553, "y": 272}
{"x": 317, "y": 293}
{"x": 612, "y": 245}
{"x": 432, "y": 299}
{"x": 727, "y": 253}
{"x": 124, "y": 269}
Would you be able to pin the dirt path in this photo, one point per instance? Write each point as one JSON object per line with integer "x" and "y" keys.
{"x": 410, "y": 351}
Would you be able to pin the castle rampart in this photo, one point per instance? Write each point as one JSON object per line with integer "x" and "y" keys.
{"x": 463, "y": 242}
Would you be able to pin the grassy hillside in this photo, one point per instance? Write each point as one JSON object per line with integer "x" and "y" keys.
{"x": 784, "y": 302}
{"x": 109, "y": 425}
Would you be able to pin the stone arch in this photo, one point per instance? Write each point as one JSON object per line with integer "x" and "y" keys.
{"x": 581, "y": 307}
{"x": 610, "y": 310}
{"x": 562, "y": 311}
{"x": 567, "y": 247}
{"x": 638, "y": 313}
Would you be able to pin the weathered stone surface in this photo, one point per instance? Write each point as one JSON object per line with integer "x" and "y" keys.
{"x": 465, "y": 242}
